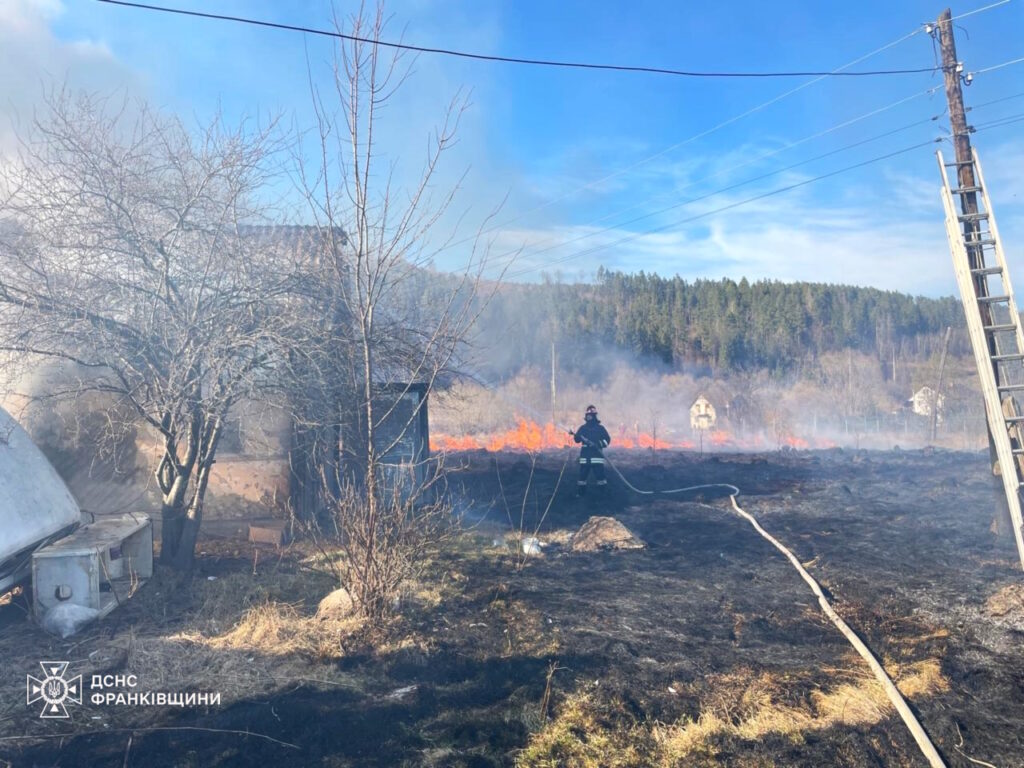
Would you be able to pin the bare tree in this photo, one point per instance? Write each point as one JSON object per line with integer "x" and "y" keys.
{"x": 393, "y": 319}
{"x": 123, "y": 255}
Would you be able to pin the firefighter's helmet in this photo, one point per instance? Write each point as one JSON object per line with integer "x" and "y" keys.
{"x": 591, "y": 413}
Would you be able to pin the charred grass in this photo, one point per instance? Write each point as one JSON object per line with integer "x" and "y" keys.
{"x": 703, "y": 649}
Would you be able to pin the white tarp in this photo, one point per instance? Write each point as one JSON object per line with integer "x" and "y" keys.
{"x": 34, "y": 501}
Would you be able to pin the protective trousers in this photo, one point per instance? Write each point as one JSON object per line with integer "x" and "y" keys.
{"x": 588, "y": 463}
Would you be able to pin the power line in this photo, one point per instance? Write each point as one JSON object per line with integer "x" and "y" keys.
{"x": 731, "y": 187}
{"x": 1008, "y": 120}
{"x": 707, "y": 132}
{"x": 721, "y": 125}
{"x": 517, "y": 253}
{"x": 595, "y": 66}
{"x": 1000, "y": 122}
{"x": 731, "y": 206}
{"x": 979, "y": 10}
{"x": 994, "y": 67}
{"x": 700, "y": 135}
{"x": 509, "y": 59}
{"x": 995, "y": 101}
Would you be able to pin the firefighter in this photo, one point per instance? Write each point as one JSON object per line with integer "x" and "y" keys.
{"x": 593, "y": 438}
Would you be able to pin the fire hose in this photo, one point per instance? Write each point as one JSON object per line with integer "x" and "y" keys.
{"x": 891, "y": 691}
{"x": 633, "y": 488}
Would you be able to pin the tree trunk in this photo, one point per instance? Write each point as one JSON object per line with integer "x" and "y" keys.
{"x": 185, "y": 555}
{"x": 172, "y": 520}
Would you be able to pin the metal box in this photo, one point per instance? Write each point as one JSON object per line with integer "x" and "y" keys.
{"x": 98, "y": 567}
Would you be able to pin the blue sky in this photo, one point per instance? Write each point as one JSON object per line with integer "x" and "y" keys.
{"x": 579, "y": 154}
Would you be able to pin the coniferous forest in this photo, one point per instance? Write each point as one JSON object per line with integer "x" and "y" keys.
{"x": 720, "y": 326}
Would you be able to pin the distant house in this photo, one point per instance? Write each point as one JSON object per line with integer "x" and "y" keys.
{"x": 702, "y": 414}
{"x": 921, "y": 401}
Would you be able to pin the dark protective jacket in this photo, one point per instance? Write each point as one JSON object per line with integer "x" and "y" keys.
{"x": 594, "y": 433}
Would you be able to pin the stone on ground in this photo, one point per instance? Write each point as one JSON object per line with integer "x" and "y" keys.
{"x": 337, "y": 605}
{"x": 600, "y": 533}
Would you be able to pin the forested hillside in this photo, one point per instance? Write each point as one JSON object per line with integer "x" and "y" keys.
{"x": 718, "y": 325}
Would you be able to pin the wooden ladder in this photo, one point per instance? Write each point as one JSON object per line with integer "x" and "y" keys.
{"x": 993, "y": 323}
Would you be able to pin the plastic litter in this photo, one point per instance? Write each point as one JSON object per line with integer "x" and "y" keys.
{"x": 532, "y": 546}
{"x": 67, "y": 618}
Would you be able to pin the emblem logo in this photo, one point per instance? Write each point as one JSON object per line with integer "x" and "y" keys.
{"x": 54, "y": 689}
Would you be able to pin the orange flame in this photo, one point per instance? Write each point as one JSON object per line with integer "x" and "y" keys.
{"x": 720, "y": 438}
{"x": 526, "y": 436}
{"x": 531, "y": 437}
{"x": 795, "y": 442}
{"x": 649, "y": 441}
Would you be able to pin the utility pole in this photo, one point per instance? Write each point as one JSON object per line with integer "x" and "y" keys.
{"x": 964, "y": 155}
{"x": 951, "y": 69}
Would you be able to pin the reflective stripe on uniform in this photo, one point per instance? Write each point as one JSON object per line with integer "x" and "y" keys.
{"x": 591, "y": 461}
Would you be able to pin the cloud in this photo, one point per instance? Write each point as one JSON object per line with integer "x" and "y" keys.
{"x": 879, "y": 226}
{"x": 790, "y": 237}
{"x": 33, "y": 59}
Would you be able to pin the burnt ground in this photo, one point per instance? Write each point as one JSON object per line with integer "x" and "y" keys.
{"x": 704, "y": 621}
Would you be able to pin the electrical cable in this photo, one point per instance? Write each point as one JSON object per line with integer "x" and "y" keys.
{"x": 994, "y": 67}
{"x": 994, "y": 101}
{"x": 999, "y": 123}
{"x": 979, "y": 10}
{"x": 700, "y": 135}
{"x": 519, "y": 253}
{"x": 507, "y": 59}
{"x": 709, "y": 131}
{"x": 583, "y": 65}
{"x": 746, "y": 201}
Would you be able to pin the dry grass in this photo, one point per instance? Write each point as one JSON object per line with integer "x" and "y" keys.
{"x": 278, "y": 629}
{"x": 244, "y": 639}
{"x": 237, "y": 671}
{"x": 601, "y": 533}
{"x": 758, "y": 711}
{"x": 740, "y": 705}
{"x": 585, "y": 736}
{"x": 271, "y": 616}
{"x": 241, "y": 634}
{"x": 920, "y": 678}
{"x": 1008, "y": 602}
